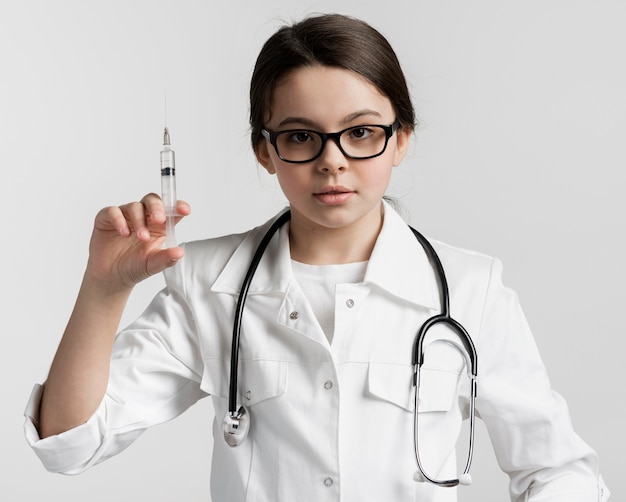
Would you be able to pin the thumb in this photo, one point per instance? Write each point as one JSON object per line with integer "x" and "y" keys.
{"x": 165, "y": 258}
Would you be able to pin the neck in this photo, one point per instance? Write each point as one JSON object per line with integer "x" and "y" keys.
{"x": 319, "y": 245}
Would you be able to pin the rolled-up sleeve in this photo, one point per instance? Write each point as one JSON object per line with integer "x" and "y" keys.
{"x": 529, "y": 424}
{"x": 73, "y": 451}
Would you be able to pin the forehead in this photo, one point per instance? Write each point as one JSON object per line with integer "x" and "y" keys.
{"x": 326, "y": 96}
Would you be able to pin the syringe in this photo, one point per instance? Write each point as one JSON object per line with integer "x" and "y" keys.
{"x": 168, "y": 189}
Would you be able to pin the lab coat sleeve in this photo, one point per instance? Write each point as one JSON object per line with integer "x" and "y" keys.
{"x": 155, "y": 375}
{"x": 528, "y": 423}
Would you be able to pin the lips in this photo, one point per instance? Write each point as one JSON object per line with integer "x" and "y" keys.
{"x": 334, "y": 195}
{"x": 334, "y": 190}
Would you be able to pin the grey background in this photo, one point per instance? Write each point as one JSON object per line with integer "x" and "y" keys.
{"x": 520, "y": 154}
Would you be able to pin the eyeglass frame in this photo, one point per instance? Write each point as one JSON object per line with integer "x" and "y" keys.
{"x": 271, "y": 136}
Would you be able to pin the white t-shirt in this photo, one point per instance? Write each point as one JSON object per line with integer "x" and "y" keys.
{"x": 319, "y": 283}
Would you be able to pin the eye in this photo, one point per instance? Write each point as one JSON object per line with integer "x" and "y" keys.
{"x": 300, "y": 137}
{"x": 360, "y": 133}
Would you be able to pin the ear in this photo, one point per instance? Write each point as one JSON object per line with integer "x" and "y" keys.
{"x": 263, "y": 156}
{"x": 403, "y": 139}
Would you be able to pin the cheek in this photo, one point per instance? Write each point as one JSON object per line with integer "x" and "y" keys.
{"x": 377, "y": 176}
{"x": 291, "y": 180}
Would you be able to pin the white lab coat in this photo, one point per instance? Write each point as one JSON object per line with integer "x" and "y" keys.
{"x": 334, "y": 422}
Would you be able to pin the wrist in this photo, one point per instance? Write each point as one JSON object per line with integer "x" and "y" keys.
{"x": 104, "y": 288}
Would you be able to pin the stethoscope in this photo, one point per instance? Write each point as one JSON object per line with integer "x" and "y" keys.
{"x": 237, "y": 419}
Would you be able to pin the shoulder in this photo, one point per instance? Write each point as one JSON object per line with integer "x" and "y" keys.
{"x": 400, "y": 233}
{"x": 215, "y": 249}
{"x": 467, "y": 270}
{"x": 206, "y": 259}
{"x": 223, "y": 247}
{"x": 459, "y": 257}
{"x": 476, "y": 285}
{"x": 468, "y": 273}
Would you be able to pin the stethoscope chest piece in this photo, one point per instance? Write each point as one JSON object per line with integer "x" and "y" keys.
{"x": 236, "y": 427}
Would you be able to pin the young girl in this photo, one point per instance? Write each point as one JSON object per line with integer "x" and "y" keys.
{"x": 325, "y": 376}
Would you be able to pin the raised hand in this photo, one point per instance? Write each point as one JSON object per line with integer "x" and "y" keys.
{"x": 127, "y": 243}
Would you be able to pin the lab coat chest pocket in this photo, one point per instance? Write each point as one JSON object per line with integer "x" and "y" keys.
{"x": 440, "y": 375}
{"x": 393, "y": 383}
{"x": 439, "y": 380}
{"x": 259, "y": 380}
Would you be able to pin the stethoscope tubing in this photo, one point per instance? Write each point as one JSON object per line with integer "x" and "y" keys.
{"x": 418, "y": 360}
{"x": 245, "y": 286}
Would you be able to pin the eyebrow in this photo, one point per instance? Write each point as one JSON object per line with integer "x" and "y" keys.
{"x": 347, "y": 119}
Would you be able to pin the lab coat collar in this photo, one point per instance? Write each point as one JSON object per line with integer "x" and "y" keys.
{"x": 273, "y": 273}
{"x": 398, "y": 264}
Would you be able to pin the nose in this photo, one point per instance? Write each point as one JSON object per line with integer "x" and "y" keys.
{"x": 332, "y": 159}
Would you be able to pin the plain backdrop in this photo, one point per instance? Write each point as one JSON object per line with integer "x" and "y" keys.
{"x": 519, "y": 154}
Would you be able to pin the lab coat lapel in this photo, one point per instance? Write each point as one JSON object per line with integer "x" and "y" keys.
{"x": 274, "y": 271}
{"x": 274, "y": 274}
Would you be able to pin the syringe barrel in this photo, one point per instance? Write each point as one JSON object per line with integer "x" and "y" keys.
{"x": 167, "y": 159}
{"x": 168, "y": 191}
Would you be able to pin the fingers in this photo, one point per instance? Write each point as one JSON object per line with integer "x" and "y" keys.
{"x": 153, "y": 208}
{"x": 183, "y": 208}
{"x": 112, "y": 218}
{"x": 137, "y": 219}
{"x": 143, "y": 218}
{"x": 127, "y": 242}
{"x": 155, "y": 212}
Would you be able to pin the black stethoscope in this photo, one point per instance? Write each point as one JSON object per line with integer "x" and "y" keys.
{"x": 237, "y": 419}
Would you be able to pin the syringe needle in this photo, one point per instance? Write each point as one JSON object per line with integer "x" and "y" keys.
{"x": 165, "y": 107}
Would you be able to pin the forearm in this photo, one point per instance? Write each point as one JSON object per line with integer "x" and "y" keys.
{"x": 79, "y": 374}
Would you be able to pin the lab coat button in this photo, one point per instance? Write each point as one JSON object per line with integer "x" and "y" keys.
{"x": 294, "y": 315}
{"x": 248, "y": 395}
{"x": 328, "y": 385}
{"x": 350, "y": 303}
{"x": 328, "y": 482}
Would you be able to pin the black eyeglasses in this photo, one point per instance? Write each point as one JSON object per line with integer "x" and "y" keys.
{"x": 303, "y": 145}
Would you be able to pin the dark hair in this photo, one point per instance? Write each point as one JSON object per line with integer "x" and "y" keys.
{"x": 329, "y": 40}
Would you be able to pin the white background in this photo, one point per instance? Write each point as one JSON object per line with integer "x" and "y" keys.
{"x": 520, "y": 154}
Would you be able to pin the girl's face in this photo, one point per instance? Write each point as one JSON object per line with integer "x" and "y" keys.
{"x": 332, "y": 191}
